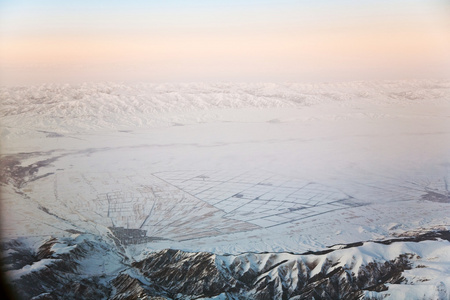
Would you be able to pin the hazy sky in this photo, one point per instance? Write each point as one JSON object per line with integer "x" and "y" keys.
{"x": 207, "y": 40}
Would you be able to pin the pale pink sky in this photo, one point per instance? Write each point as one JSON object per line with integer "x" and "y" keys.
{"x": 288, "y": 41}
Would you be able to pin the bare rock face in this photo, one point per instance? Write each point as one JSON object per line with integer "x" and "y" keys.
{"x": 183, "y": 273}
{"x": 129, "y": 288}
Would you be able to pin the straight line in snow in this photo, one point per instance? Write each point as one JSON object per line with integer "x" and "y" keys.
{"x": 318, "y": 214}
{"x": 149, "y": 214}
{"x": 184, "y": 191}
{"x": 446, "y": 185}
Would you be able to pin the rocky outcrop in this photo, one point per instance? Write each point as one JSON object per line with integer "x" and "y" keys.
{"x": 129, "y": 288}
{"x": 55, "y": 270}
{"x": 182, "y": 273}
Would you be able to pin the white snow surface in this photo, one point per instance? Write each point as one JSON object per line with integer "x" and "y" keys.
{"x": 229, "y": 168}
{"x": 41, "y": 264}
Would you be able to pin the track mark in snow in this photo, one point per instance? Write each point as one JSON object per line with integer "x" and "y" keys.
{"x": 257, "y": 198}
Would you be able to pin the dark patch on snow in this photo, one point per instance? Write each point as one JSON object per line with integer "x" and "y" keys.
{"x": 436, "y": 197}
{"x": 11, "y": 172}
{"x": 133, "y": 236}
{"x": 73, "y": 231}
{"x": 51, "y": 134}
{"x": 44, "y": 209}
{"x": 296, "y": 208}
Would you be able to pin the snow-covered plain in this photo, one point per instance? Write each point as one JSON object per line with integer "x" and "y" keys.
{"x": 226, "y": 168}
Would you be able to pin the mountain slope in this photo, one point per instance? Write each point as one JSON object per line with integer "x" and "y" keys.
{"x": 85, "y": 267}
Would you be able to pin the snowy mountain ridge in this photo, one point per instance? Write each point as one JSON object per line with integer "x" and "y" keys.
{"x": 63, "y": 267}
{"x": 69, "y": 108}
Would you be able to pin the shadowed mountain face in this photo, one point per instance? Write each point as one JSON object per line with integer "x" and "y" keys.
{"x": 63, "y": 268}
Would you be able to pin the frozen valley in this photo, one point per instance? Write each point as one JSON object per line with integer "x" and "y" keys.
{"x": 227, "y": 191}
